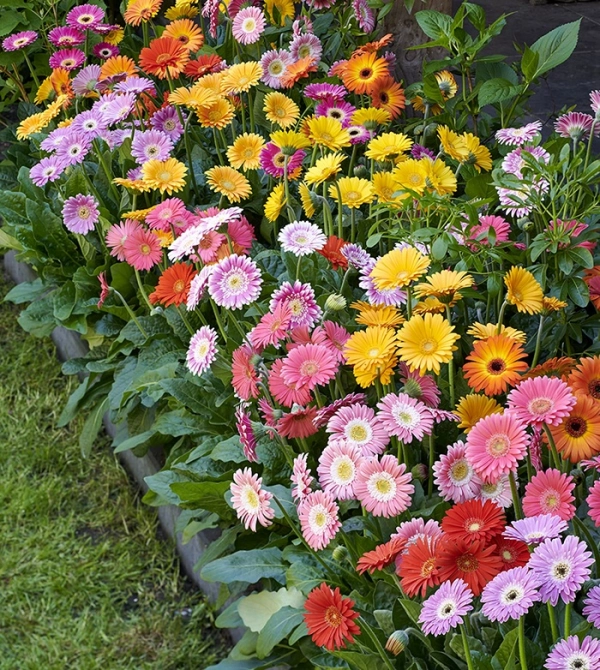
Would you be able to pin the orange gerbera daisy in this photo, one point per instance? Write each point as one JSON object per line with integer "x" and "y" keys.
{"x": 205, "y": 64}
{"x": 578, "y": 436}
{"x": 381, "y": 556}
{"x": 173, "y": 285}
{"x": 472, "y": 562}
{"x": 419, "y": 569}
{"x": 140, "y": 11}
{"x": 495, "y": 364}
{"x": 389, "y": 95}
{"x": 332, "y": 251}
{"x": 186, "y": 32}
{"x": 585, "y": 379}
{"x": 165, "y": 58}
{"x": 117, "y": 68}
{"x": 371, "y": 47}
{"x": 361, "y": 73}
{"x": 61, "y": 82}
{"x": 298, "y": 70}
{"x": 553, "y": 367}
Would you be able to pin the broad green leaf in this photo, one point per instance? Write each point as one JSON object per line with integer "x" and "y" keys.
{"x": 278, "y": 627}
{"x": 434, "y": 24}
{"x": 204, "y": 495}
{"x": 497, "y": 90}
{"x": 256, "y": 609}
{"x": 246, "y": 566}
{"x": 28, "y": 291}
{"x": 91, "y": 427}
{"x": 555, "y": 47}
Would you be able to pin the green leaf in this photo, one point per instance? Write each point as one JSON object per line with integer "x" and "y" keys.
{"x": 64, "y": 301}
{"x": 506, "y": 650}
{"x": 497, "y": 90}
{"x": 9, "y": 242}
{"x": 434, "y": 24}
{"x": 439, "y": 248}
{"x": 38, "y": 318}
{"x": 246, "y": 566}
{"x": 28, "y": 291}
{"x": 204, "y": 495}
{"x": 91, "y": 427}
{"x": 279, "y": 626}
{"x": 134, "y": 441}
{"x": 555, "y": 47}
{"x": 584, "y": 256}
{"x": 529, "y": 63}
{"x": 256, "y": 609}
{"x": 385, "y": 621}
{"x": 8, "y": 22}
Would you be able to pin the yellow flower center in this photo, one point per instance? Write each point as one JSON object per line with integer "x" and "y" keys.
{"x": 202, "y": 349}
{"x": 248, "y": 153}
{"x": 333, "y": 617}
{"x": 373, "y": 353}
{"x": 178, "y": 286}
{"x": 540, "y": 405}
{"x": 251, "y": 498}
{"x": 459, "y": 471}
{"x": 498, "y": 445}
{"x": 428, "y": 346}
{"x": 320, "y": 519}
{"x": 345, "y": 470}
{"x": 165, "y": 175}
{"x": 145, "y": 249}
{"x": 358, "y": 433}
{"x": 83, "y": 212}
{"x": 352, "y": 196}
{"x": 227, "y": 185}
{"x": 383, "y": 486}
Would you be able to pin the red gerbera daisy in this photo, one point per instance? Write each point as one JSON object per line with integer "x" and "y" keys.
{"x": 514, "y": 553}
{"x": 329, "y": 618}
{"x": 173, "y": 285}
{"x": 472, "y": 562}
{"x": 381, "y": 556}
{"x": 165, "y": 57}
{"x": 205, "y": 64}
{"x": 332, "y": 251}
{"x": 298, "y": 423}
{"x": 474, "y": 520}
{"x": 420, "y": 567}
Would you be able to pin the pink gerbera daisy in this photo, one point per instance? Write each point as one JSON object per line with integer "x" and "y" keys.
{"x": 248, "y": 439}
{"x": 418, "y": 386}
{"x": 338, "y": 468}
{"x": 593, "y": 500}
{"x": 142, "y": 249}
{"x": 274, "y": 64}
{"x": 118, "y": 234}
{"x": 301, "y": 300}
{"x": 301, "y": 478}
{"x": 202, "y": 350}
{"x": 235, "y": 282}
{"x": 308, "y": 366}
{"x": 550, "y": 492}
{"x": 541, "y": 400}
{"x": 358, "y": 426}
{"x": 170, "y": 212}
{"x": 272, "y": 328}
{"x": 517, "y": 136}
{"x": 496, "y": 444}
{"x": 489, "y": 228}
{"x": 244, "y": 375}
{"x": 286, "y": 394}
{"x": 325, "y": 413}
{"x": 455, "y": 476}
{"x": 497, "y": 491}
{"x": 383, "y": 487}
{"x": 595, "y": 102}
{"x": 574, "y": 125}
{"x": 319, "y": 522}
{"x": 298, "y": 423}
{"x": 405, "y": 417}
{"x": 248, "y": 25}
{"x": 336, "y": 337}
{"x": 250, "y": 501}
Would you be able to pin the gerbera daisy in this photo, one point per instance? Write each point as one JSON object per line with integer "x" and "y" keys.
{"x": 80, "y": 213}
{"x": 523, "y": 290}
{"x": 186, "y": 32}
{"x": 246, "y": 434}
{"x": 248, "y": 25}
{"x": 419, "y": 569}
{"x": 411, "y": 176}
{"x": 553, "y": 367}
{"x": 141, "y": 11}
{"x": 202, "y": 350}
{"x": 473, "y": 562}
{"x": 353, "y": 191}
{"x": 151, "y": 145}
{"x": 446, "y": 608}
{"x": 241, "y": 77}
{"x": 541, "y": 400}
{"x": 216, "y": 114}
{"x": 474, "y": 520}
{"x": 308, "y": 366}
{"x": 173, "y": 285}
{"x": 166, "y": 120}
{"x": 573, "y": 653}
{"x": 250, "y": 501}
{"x": 298, "y": 70}
{"x": 380, "y": 557}
{"x": 204, "y": 64}
{"x": 471, "y": 408}
{"x": 490, "y": 231}
{"x": 340, "y": 111}
{"x": 276, "y": 163}
{"x": 578, "y": 436}
{"x": 518, "y": 136}
{"x": 244, "y": 375}
{"x": 372, "y": 352}
{"x": 165, "y": 58}
{"x": 301, "y": 300}
{"x": 404, "y": 417}
{"x": 383, "y": 487}
{"x": 329, "y": 618}
{"x": 85, "y": 16}
{"x": 228, "y": 182}
{"x": 550, "y": 492}
{"x": 481, "y": 331}
{"x": 593, "y": 501}
{"x": 338, "y": 468}
{"x": 319, "y": 522}
{"x": 274, "y": 64}
{"x": 399, "y": 267}
{"x": 455, "y": 476}
{"x": 275, "y": 203}
{"x": 426, "y": 341}
{"x": 494, "y": 364}
{"x": 69, "y": 59}
{"x": 327, "y": 132}
{"x": 332, "y": 251}
{"x": 301, "y": 478}
{"x": 362, "y": 73}
{"x": 280, "y": 109}
{"x": 495, "y": 445}
{"x": 510, "y": 595}
{"x": 326, "y": 413}
{"x": 272, "y": 328}
{"x": 562, "y": 566}
{"x": 388, "y": 147}
{"x": 142, "y": 249}
{"x": 574, "y": 125}
{"x": 236, "y": 281}
{"x": 301, "y": 238}
{"x": 444, "y": 286}
{"x": 19, "y": 40}
{"x": 387, "y": 94}
{"x": 105, "y": 50}
{"x": 377, "y": 315}
{"x": 585, "y": 378}
{"x": 357, "y": 426}
{"x": 167, "y": 176}
{"x": 245, "y": 151}
{"x": 370, "y": 117}
{"x": 439, "y": 177}
{"x": 591, "y": 606}
{"x": 536, "y": 529}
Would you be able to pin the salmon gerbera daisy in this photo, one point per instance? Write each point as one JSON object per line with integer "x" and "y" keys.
{"x": 495, "y": 364}
{"x": 329, "y": 618}
{"x": 550, "y": 492}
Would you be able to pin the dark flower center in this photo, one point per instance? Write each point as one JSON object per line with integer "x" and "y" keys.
{"x": 594, "y": 388}
{"x": 576, "y": 426}
{"x": 496, "y": 366}
{"x": 366, "y": 73}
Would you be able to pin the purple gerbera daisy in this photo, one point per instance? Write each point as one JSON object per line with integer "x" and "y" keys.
{"x": 80, "y": 213}
{"x": 340, "y": 110}
{"x": 90, "y": 123}
{"x": 105, "y": 50}
{"x": 301, "y": 300}
{"x": 356, "y": 256}
{"x": 65, "y": 36}
{"x": 535, "y": 529}
{"x": 167, "y": 121}
{"x": 86, "y": 80}
{"x": 48, "y": 169}
{"x": 591, "y": 606}
{"x": 69, "y": 59}
{"x": 331, "y": 92}
{"x": 202, "y": 350}
{"x": 515, "y": 161}
{"x": 274, "y": 64}
{"x": 119, "y": 108}
{"x": 574, "y": 125}
{"x": 561, "y": 567}
{"x": 571, "y": 653}
{"x": 151, "y": 144}
{"x": 235, "y": 282}
{"x": 515, "y": 137}
{"x": 301, "y": 238}
{"x": 135, "y": 85}
{"x": 74, "y": 148}
{"x": 446, "y": 608}
{"x": 198, "y": 287}
{"x": 359, "y": 134}
{"x": 85, "y": 16}
{"x": 510, "y": 594}
{"x": 19, "y": 40}
{"x": 418, "y": 151}
{"x": 51, "y": 142}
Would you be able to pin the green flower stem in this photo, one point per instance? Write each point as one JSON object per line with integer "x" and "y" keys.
{"x": 31, "y": 69}
{"x": 466, "y": 648}
{"x": 501, "y": 317}
{"x": 431, "y": 462}
{"x": 583, "y": 530}
{"x": 352, "y": 224}
{"x": 107, "y": 171}
{"x": 552, "y": 444}
{"x": 185, "y": 320}
{"x": 131, "y": 314}
{"x": 298, "y": 264}
{"x": 251, "y": 111}
{"x": 218, "y": 320}
{"x": 553, "y": 624}
{"x": 141, "y": 287}
{"x": 220, "y": 157}
{"x": 451, "y": 365}
{"x": 409, "y": 302}
{"x": 340, "y": 211}
{"x": 515, "y": 495}
{"x": 522, "y": 654}
{"x": 567, "y": 627}
{"x": 145, "y": 33}
{"x": 188, "y": 151}
{"x": 380, "y": 650}
{"x": 538, "y": 343}
{"x": 286, "y": 188}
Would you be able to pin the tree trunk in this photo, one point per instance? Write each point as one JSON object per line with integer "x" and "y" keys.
{"x": 407, "y": 33}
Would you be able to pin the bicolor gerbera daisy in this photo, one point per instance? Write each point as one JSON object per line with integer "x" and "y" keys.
{"x": 301, "y": 300}
{"x": 405, "y": 417}
{"x": 455, "y": 476}
{"x": 236, "y": 281}
{"x": 550, "y": 492}
{"x": 518, "y": 136}
{"x": 496, "y": 490}
{"x": 151, "y": 144}
{"x": 329, "y": 618}
{"x": 301, "y": 238}
{"x": 20, "y": 40}
{"x": 338, "y": 469}
{"x": 68, "y": 59}
{"x": 541, "y": 400}
{"x": 85, "y": 16}
{"x": 248, "y": 440}
{"x": 319, "y": 521}
{"x": 250, "y": 501}
{"x": 574, "y": 125}
{"x": 202, "y": 350}
{"x": 274, "y": 64}
{"x": 326, "y": 413}
{"x": 577, "y": 437}
{"x": 510, "y": 595}
{"x": 383, "y": 487}
{"x": 358, "y": 426}
{"x": 248, "y": 25}
{"x": 495, "y": 364}
{"x": 446, "y": 608}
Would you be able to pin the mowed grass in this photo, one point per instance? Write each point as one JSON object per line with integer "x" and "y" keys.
{"x": 85, "y": 580}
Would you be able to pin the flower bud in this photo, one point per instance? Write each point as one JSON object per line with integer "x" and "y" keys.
{"x": 396, "y": 642}
{"x": 578, "y": 476}
{"x": 340, "y": 553}
{"x": 361, "y": 171}
{"x": 156, "y": 310}
{"x": 420, "y": 472}
{"x": 412, "y": 388}
{"x": 335, "y": 302}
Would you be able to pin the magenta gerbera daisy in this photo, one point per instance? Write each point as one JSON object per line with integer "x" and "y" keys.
{"x": 272, "y": 160}
{"x": 593, "y": 501}
{"x": 325, "y": 91}
{"x": 202, "y": 350}
{"x": 541, "y": 400}
{"x": 19, "y": 40}
{"x": 515, "y": 137}
{"x": 301, "y": 300}
{"x": 510, "y": 594}
{"x": 574, "y": 125}
{"x": 250, "y": 501}
{"x": 85, "y": 16}
{"x": 572, "y": 653}
{"x": 358, "y": 426}
{"x": 340, "y": 111}
{"x": 383, "y": 487}
{"x": 418, "y": 386}
{"x": 446, "y": 608}
{"x": 301, "y": 238}
{"x": 309, "y": 365}
{"x": 338, "y": 468}
{"x": 65, "y": 36}
{"x": 404, "y": 417}
{"x": 550, "y": 492}
{"x": 455, "y": 476}
{"x": 235, "y": 282}
{"x": 68, "y": 59}
{"x": 80, "y": 213}
{"x": 248, "y": 439}
{"x": 319, "y": 522}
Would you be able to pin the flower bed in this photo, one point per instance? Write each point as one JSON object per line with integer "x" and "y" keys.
{"x": 365, "y": 337}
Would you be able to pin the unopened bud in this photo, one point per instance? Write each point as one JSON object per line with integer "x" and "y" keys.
{"x": 396, "y": 642}
{"x": 156, "y": 310}
{"x": 420, "y": 472}
{"x": 335, "y": 302}
{"x": 412, "y": 388}
{"x": 340, "y": 553}
{"x": 578, "y": 476}
{"x": 361, "y": 171}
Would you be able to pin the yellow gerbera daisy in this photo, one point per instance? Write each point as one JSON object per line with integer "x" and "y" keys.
{"x": 186, "y": 32}
{"x": 138, "y": 214}
{"x": 280, "y": 109}
{"x": 377, "y": 315}
{"x": 426, "y": 341}
{"x": 228, "y": 182}
{"x": 523, "y": 291}
{"x": 213, "y": 82}
{"x": 181, "y": 10}
{"x": 353, "y": 191}
{"x": 327, "y": 132}
{"x": 43, "y": 92}
{"x": 166, "y": 176}
{"x": 477, "y": 155}
{"x": 138, "y": 185}
{"x": 275, "y": 203}
{"x": 411, "y": 175}
{"x": 216, "y": 115}
{"x": 306, "y": 200}
{"x": 194, "y": 97}
{"x": 242, "y": 77}
{"x": 388, "y": 146}
{"x": 279, "y": 11}
{"x": 480, "y": 331}
{"x": 385, "y": 186}
{"x": 372, "y": 352}
{"x": 288, "y": 140}
{"x": 31, "y": 125}
{"x": 444, "y": 285}
{"x": 446, "y": 83}
{"x": 439, "y": 177}
{"x": 453, "y": 145}
{"x": 419, "y": 104}
{"x": 552, "y": 304}
{"x": 471, "y": 408}
{"x": 430, "y": 305}
{"x": 164, "y": 237}
{"x": 325, "y": 168}
{"x": 114, "y": 36}
{"x": 245, "y": 151}
{"x": 398, "y": 268}
{"x": 370, "y": 117}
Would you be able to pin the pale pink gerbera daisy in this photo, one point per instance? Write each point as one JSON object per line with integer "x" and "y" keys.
{"x": 250, "y": 502}
{"x": 319, "y": 522}
{"x": 338, "y": 468}
{"x": 515, "y": 137}
{"x": 272, "y": 328}
{"x": 274, "y": 64}
{"x": 541, "y": 400}
{"x": 455, "y": 476}
{"x": 248, "y": 25}
{"x": 308, "y": 366}
{"x": 117, "y": 236}
{"x": 235, "y": 282}
{"x": 286, "y": 394}
{"x": 550, "y": 492}
{"x": 301, "y": 478}
{"x": 301, "y": 238}
{"x": 418, "y": 386}
{"x": 358, "y": 426}
{"x": 142, "y": 249}
{"x": 383, "y": 487}
{"x": 497, "y": 491}
{"x": 496, "y": 444}
{"x": 405, "y": 417}
{"x": 301, "y": 300}
{"x": 202, "y": 350}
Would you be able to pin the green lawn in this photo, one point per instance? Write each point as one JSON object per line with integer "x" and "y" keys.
{"x": 85, "y": 581}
